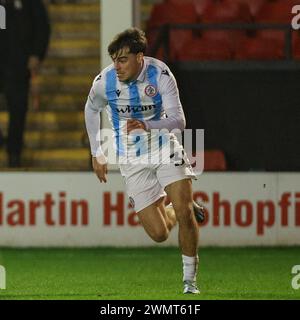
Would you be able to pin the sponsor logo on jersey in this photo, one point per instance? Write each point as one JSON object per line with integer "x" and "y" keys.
{"x": 135, "y": 109}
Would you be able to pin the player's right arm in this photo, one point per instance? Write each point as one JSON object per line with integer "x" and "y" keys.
{"x": 96, "y": 102}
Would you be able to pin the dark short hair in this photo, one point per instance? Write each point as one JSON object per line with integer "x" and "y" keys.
{"x": 133, "y": 38}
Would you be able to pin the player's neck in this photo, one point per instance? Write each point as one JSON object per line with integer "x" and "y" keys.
{"x": 134, "y": 78}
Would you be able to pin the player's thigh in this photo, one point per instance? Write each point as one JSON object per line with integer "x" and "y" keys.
{"x": 153, "y": 221}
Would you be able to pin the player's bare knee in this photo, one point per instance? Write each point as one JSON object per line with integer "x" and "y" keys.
{"x": 182, "y": 204}
{"x": 160, "y": 235}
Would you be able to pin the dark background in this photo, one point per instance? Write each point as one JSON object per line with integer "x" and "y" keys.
{"x": 251, "y": 111}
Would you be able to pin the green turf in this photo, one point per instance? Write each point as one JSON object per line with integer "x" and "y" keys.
{"x": 147, "y": 273}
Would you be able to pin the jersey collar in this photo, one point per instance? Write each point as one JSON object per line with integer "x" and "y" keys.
{"x": 142, "y": 74}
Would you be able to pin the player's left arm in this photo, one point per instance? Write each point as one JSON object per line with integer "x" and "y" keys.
{"x": 171, "y": 104}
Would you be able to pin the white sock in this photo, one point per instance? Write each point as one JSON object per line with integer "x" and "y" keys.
{"x": 190, "y": 267}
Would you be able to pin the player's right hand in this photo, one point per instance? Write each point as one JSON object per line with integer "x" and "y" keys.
{"x": 100, "y": 167}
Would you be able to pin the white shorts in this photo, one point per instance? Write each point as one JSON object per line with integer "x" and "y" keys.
{"x": 145, "y": 183}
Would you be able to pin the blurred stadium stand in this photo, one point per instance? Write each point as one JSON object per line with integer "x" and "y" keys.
{"x": 249, "y": 29}
{"x": 172, "y": 12}
{"x": 55, "y": 138}
{"x": 238, "y": 72}
{"x": 203, "y": 54}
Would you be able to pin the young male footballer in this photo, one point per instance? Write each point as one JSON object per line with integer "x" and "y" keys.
{"x": 140, "y": 95}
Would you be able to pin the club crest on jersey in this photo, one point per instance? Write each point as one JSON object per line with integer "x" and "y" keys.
{"x": 151, "y": 90}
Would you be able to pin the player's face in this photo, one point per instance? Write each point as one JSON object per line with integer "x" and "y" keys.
{"x": 128, "y": 65}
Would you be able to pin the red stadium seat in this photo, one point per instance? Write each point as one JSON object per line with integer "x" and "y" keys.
{"x": 258, "y": 48}
{"x": 276, "y": 12}
{"x": 230, "y": 39}
{"x": 204, "y": 49}
{"x": 278, "y": 38}
{"x": 269, "y": 34}
{"x": 296, "y": 45}
{"x": 201, "y": 6}
{"x": 254, "y": 5}
{"x": 296, "y": 51}
{"x": 214, "y": 160}
{"x": 226, "y": 11}
{"x": 172, "y": 12}
{"x": 177, "y": 2}
{"x": 273, "y": 37}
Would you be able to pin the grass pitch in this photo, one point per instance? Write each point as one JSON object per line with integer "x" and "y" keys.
{"x": 147, "y": 273}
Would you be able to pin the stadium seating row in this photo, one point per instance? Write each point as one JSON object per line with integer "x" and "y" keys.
{"x": 225, "y": 10}
{"x": 222, "y": 44}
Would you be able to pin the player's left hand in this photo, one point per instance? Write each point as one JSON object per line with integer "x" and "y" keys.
{"x": 100, "y": 167}
{"x": 133, "y": 124}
